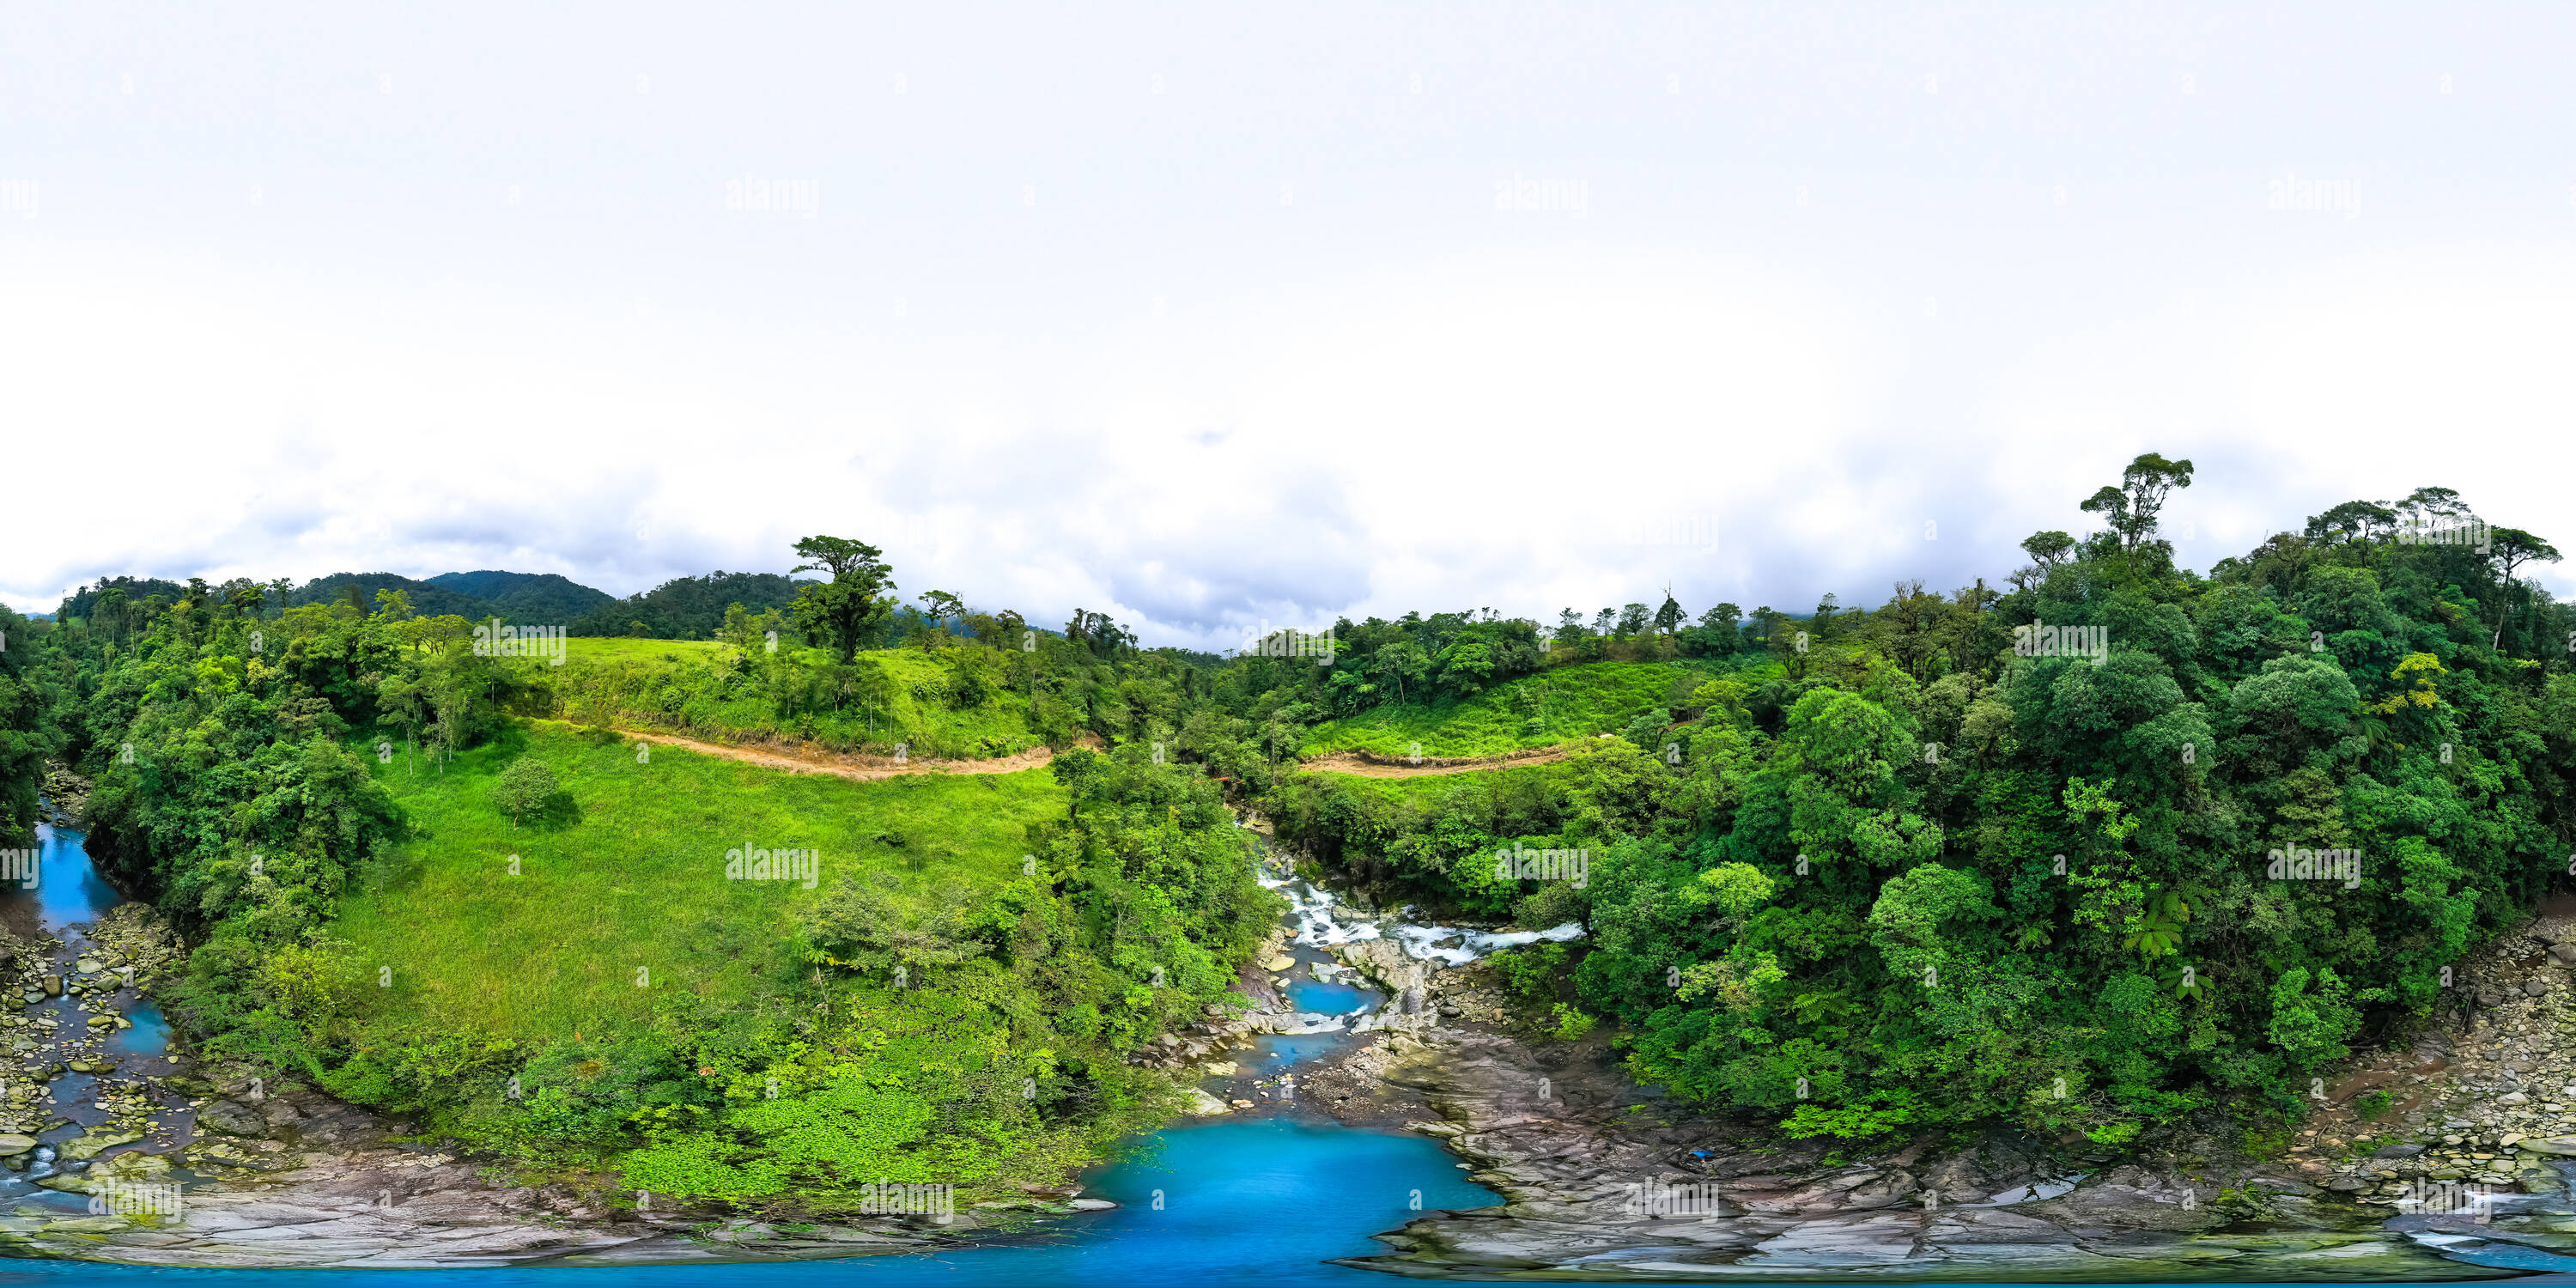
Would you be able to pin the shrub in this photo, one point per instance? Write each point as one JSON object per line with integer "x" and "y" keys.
{"x": 524, "y": 786}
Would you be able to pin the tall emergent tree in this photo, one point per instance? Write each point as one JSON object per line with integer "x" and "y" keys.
{"x": 841, "y": 612}
{"x": 2131, "y": 508}
{"x": 2513, "y": 548}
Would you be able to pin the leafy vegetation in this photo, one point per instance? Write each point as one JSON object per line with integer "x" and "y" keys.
{"x": 1999, "y": 854}
{"x": 571, "y": 972}
{"x": 1910, "y": 875}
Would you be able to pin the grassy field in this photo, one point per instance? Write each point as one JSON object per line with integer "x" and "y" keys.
{"x": 702, "y": 652}
{"x": 1575, "y": 701}
{"x": 629, "y": 874}
{"x": 686, "y": 687}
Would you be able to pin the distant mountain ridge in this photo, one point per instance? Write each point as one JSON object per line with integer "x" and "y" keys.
{"x": 684, "y": 608}
{"x": 689, "y": 608}
{"x": 526, "y": 596}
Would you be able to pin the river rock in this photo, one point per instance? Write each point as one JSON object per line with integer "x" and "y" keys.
{"x": 232, "y": 1118}
{"x": 1201, "y": 1105}
{"x": 2562, "y": 1146}
{"x": 1278, "y": 962}
{"x": 85, "y": 1225}
{"x": 12, "y": 1146}
{"x": 1090, "y": 1205}
{"x": 90, "y": 1143}
{"x": 53, "y": 986}
{"x": 86, "y": 965}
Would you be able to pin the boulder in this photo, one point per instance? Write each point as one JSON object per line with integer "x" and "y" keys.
{"x": 2560, "y": 1146}
{"x": 12, "y": 1146}
{"x": 1201, "y": 1104}
{"x": 232, "y": 1118}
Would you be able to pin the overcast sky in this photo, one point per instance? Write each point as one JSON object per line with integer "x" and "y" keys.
{"x": 1212, "y": 316}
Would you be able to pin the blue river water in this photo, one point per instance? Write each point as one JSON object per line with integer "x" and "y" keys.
{"x": 1261, "y": 1201}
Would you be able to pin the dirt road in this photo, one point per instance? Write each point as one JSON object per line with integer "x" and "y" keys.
{"x": 856, "y": 768}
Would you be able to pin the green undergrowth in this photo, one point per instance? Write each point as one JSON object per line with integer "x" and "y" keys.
{"x": 1580, "y": 700}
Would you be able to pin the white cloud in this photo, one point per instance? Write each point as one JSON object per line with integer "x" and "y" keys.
{"x": 1523, "y": 429}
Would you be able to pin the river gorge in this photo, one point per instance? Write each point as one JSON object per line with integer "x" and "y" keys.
{"x": 1370, "y": 1115}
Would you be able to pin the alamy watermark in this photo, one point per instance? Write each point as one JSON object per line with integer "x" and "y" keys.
{"x": 1287, "y": 642}
{"x": 2450, "y": 1198}
{"x": 1693, "y": 531}
{"x": 800, "y": 197}
{"x": 889, "y": 1198}
{"x": 2290, "y": 192}
{"x": 110, "y": 1197}
{"x": 2036, "y": 640}
{"x": 2470, "y": 533}
{"x": 1554, "y": 196}
{"x": 1521, "y": 863}
{"x": 1654, "y": 1198}
{"x": 20, "y": 197}
{"x": 19, "y": 866}
{"x": 748, "y": 864}
{"x": 498, "y": 640}
{"x": 2296, "y": 864}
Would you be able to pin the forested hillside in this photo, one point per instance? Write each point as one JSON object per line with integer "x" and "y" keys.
{"x": 686, "y": 608}
{"x": 543, "y": 942}
{"x": 2002, "y": 853}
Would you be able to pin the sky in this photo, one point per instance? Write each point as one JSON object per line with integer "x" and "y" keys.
{"x": 1220, "y": 318}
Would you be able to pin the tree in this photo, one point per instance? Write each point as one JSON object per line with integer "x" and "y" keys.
{"x": 2131, "y": 508}
{"x": 842, "y": 612}
{"x": 111, "y": 610}
{"x": 870, "y": 927}
{"x": 524, "y": 786}
{"x": 2433, "y": 503}
{"x": 2360, "y": 521}
{"x": 1570, "y": 627}
{"x": 2047, "y": 549}
{"x": 1632, "y": 621}
{"x": 1670, "y": 616}
{"x": 1821, "y": 622}
{"x": 1091, "y": 629}
{"x": 1397, "y": 663}
{"x": 942, "y": 606}
{"x": 1080, "y": 771}
{"x": 1720, "y": 623}
{"x": 2512, "y": 548}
